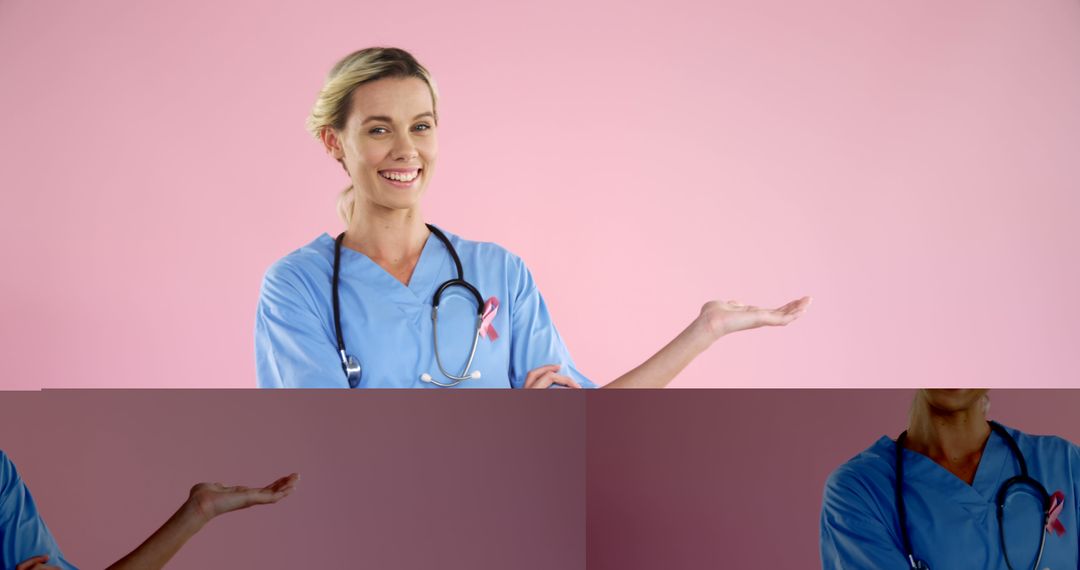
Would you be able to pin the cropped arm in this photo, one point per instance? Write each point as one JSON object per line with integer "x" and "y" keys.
{"x": 534, "y": 341}
{"x": 23, "y": 533}
{"x": 853, "y": 535}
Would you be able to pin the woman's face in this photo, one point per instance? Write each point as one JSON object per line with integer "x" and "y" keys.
{"x": 388, "y": 144}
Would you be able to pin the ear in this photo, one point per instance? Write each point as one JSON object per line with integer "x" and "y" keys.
{"x": 332, "y": 143}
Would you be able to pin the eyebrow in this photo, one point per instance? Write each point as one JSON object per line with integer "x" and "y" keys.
{"x": 386, "y": 119}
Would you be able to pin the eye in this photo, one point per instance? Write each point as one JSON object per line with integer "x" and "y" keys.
{"x": 423, "y": 127}
{"x": 378, "y": 131}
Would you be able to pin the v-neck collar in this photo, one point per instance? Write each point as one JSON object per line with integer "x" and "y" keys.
{"x": 356, "y": 265}
{"x": 988, "y": 475}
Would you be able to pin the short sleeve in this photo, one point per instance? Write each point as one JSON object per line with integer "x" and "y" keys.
{"x": 23, "y": 534}
{"x": 853, "y": 535}
{"x": 534, "y": 340}
{"x": 294, "y": 348}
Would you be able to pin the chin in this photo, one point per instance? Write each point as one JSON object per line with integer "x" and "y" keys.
{"x": 397, "y": 200}
{"x": 402, "y": 202}
{"x": 954, "y": 400}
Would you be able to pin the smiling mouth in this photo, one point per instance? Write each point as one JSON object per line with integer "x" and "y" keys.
{"x": 401, "y": 178}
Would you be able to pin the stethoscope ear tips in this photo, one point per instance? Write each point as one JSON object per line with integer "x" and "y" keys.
{"x": 475, "y": 375}
{"x": 425, "y": 377}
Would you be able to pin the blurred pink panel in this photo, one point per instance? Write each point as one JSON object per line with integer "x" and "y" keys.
{"x": 389, "y": 479}
{"x": 491, "y": 479}
{"x": 912, "y": 165}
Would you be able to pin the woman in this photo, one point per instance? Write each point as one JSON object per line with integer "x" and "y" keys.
{"x": 376, "y": 115}
{"x": 954, "y": 469}
{"x": 27, "y": 544}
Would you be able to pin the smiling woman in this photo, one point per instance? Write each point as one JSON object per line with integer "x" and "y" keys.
{"x": 353, "y": 84}
{"x": 365, "y": 309}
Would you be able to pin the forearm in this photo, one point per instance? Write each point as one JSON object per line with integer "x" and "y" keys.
{"x": 157, "y": 550}
{"x": 662, "y": 367}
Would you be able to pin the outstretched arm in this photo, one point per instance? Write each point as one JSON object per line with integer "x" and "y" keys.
{"x": 717, "y": 318}
{"x": 206, "y": 501}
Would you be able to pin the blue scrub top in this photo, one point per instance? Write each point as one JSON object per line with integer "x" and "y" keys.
{"x": 23, "y": 534}
{"x": 387, "y": 325}
{"x": 951, "y": 524}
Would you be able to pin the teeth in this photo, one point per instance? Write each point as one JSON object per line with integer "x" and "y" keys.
{"x": 401, "y": 176}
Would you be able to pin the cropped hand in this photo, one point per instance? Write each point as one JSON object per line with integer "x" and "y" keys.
{"x": 723, "y": 317}
{"x": 36, "y": 563}
{"x": 213, "y": 499}
{"x": 547, "y": 375}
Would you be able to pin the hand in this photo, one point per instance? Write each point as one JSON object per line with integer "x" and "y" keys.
{"x": 546, "y": 376}
{"x": 212, "y": 499}
{"x": 723, "y": 317}
{"x": 36, "y": 563}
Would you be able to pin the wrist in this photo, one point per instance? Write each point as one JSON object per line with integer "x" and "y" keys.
{"x": 704, "y": 331}
{"x": 707, "y": 326}
{"x": 194, "y": 514}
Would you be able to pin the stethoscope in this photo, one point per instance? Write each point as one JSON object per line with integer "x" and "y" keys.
{"x": 1021, "y": 479}
{"x": 351, "y": 366}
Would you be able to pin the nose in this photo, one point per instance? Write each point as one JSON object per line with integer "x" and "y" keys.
{"x": 403, "y": 149}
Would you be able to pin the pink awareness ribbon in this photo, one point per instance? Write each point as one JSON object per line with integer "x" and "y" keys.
{"x": 1057, "y": 501}
{"x": 487, "y": 330}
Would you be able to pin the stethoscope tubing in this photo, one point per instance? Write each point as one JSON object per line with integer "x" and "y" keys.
{"x": 351, "y": 367}
{"x": 1002, "y": 494}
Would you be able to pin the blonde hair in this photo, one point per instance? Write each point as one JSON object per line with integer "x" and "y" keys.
{"x": 331, "y": 109}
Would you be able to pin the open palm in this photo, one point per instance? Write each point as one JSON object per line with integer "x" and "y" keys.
{"x": 213, "y": 499}
{"x": 724, "y": 317}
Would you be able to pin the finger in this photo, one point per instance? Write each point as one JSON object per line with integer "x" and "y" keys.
{"x": 565, "y": 381}
{"x": 796, "y": 305}
{"x": 785, "y": 314}
{"x": 30, "y": 563}
{"x": 799, "y": 307}
{"x": 283, "y": 482}
{"x": 282, "y": 487}
{"x": 282, "y": 491}
{"x": 262, "y": 497}
{"x": 544, "y": 380}
{"x": 531, "y": 377}
{"x": 36, "y": 563}
{"x": 777, "y": 318}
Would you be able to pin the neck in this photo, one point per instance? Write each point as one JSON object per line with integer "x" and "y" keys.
{"x": 387, "y": 236}
{"x": 954, "y": 439}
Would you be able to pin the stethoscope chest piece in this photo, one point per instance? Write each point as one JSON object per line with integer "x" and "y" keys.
{"x": 352, "y": 368}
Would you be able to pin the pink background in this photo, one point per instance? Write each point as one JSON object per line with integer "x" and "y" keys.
{"x": 390, "y": 479}
{"x": 912, "y": 165}
{"x": 695, "y": 479}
